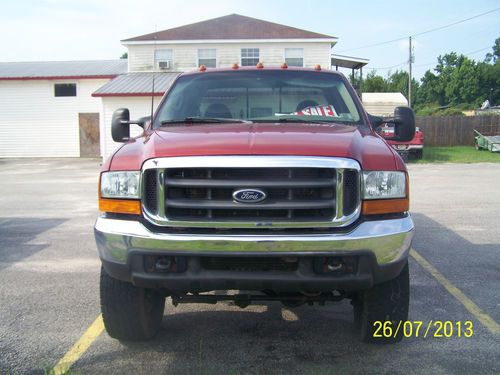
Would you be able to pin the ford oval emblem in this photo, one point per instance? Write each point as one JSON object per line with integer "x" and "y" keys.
{"x": 249, "y": 196}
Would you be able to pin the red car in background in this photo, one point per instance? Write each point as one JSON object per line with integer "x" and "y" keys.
{"x": 414, "y": 147}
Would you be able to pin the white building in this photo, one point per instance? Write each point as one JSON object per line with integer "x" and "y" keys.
{"x": 215, "y": 43}
{"x": 47, "y": 108}
{"x": 382, "y": 103}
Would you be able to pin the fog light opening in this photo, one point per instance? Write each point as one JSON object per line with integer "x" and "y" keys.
{"x": 164, "y": 264}
{"x": 336, "y": 265}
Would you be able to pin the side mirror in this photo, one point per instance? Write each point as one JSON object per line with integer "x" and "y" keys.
{"x": 403, "y": 121}
{"x": 404, "y": 124}
{"x": 120, "y": 124}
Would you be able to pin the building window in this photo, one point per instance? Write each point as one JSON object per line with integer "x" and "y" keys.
{"x": 294, "y": 56}
{"x": 164, "y": 58}
{"x": 207, "y": 57}
{"x": 249, "y": 56}
{"x": 65, "y": 89}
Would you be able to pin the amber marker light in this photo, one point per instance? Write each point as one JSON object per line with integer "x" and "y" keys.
{"x": 317, "y": 67}
{"x": 235, "y": 66}
{"x": 385, "y": 206}
{"x": 284, "y": 66}
{"x": 120, "y": 206}
{"x": 203, "y": 68}
{"x": 260, "y": 65}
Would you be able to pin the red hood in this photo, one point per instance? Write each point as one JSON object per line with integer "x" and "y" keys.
{"x": 259, "y": 139}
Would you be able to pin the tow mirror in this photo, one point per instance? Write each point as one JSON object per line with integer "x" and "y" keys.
{"x": 404, "y": 124}
{"x": 403, "y": 121}
{"x": 120, "y": 124}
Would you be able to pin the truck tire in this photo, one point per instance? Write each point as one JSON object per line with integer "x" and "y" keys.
{"x": 130, "y": 313}
{"x": 405, "y": 155}
{"x": 382, "y": 303}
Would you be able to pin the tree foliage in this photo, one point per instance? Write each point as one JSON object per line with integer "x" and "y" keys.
{"x": 455, "y": 81}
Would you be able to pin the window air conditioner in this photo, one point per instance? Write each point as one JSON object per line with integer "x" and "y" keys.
{"x": 165, "y": 64}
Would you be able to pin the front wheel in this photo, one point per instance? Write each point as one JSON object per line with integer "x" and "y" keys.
{"x": 130, "y": 313}
{"x": 385, "y": 302}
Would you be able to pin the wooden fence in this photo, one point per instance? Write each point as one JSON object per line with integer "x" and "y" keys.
{"x": 456, "y": 130}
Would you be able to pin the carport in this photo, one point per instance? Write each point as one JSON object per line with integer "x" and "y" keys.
{"x": 349, "y": 62}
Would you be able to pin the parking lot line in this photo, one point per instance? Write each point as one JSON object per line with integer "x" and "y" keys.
{"x": 484, "y": 318}
{"x": 97, "y": 327}
{"x": 80, "y": 347}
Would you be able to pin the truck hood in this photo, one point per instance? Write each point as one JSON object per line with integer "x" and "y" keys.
{"x": 306, "y": 139}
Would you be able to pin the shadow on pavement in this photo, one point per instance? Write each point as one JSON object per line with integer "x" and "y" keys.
{"x": 15, "y": 235}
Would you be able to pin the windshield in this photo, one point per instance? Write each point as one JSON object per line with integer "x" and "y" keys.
{"x": 259, "y": 96}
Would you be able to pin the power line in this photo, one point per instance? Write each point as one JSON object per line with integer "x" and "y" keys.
{"x": 421, "y": 33}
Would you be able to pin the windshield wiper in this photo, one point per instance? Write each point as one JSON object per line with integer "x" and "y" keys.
{"x": 294, "y": 119}
{"x": 204, "y": 120}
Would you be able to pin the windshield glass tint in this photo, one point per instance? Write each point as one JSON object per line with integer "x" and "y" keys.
{"x": 260, "y": 96}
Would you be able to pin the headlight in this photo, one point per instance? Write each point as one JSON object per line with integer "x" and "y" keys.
{"x": 120, "y": 185}
{"x": 384, "y": 185}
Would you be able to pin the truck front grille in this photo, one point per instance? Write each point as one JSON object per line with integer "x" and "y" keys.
{"x": 292, "y": 193}
{"x": 204, "y": 195}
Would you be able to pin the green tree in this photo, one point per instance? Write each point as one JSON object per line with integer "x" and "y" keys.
{"x": 374, "y": 83}
{"x": 493, "y": 57}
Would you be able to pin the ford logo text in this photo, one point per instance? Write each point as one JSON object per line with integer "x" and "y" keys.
{"x": 249, "y": 196}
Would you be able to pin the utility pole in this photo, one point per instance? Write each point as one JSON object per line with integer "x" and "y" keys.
{"x": 410, "y": 60}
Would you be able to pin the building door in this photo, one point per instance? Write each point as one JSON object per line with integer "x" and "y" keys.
{"x": 89, "y": 135}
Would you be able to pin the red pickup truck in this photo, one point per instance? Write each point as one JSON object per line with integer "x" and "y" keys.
{"x": 271, "y": 181}
{"x": 413, "y": 147}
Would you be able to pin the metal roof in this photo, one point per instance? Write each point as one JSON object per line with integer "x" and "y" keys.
{"x": 137, "y": 84}
{"x": 62, "y": 69}
{"x": 384, "y": 97}
{"x": 233, "y": 26}
{"x": 348, "y": 61}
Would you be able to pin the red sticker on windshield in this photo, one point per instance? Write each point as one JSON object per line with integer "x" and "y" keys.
{"x": 319, "y": 110}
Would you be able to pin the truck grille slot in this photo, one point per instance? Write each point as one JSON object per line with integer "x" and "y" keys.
{"x": 307, "y": 194}
{"x": 186, "y": 195}
{"x": 150, "y": 190}
{"x": 249, "y": 264}
{"x": 351, "y": 191}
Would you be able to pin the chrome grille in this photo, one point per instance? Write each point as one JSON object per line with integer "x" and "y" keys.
{"x": 206, "y": 193}
{"x": 297, "y": 196}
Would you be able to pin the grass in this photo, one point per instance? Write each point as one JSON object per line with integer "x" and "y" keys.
{"x": 457, "y": 154}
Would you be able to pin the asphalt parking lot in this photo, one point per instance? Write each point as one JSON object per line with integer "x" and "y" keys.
{"x": 49, "y": 273}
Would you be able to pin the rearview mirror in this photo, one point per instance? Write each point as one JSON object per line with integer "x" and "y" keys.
{"x": 120, "y": 124}
{"x": 403, "y": 121}
{"x": 404, "y": 124}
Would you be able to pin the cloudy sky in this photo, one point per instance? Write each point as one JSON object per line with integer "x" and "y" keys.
{"x": 92, "y": 29}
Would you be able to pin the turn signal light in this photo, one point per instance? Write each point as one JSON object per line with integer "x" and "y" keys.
{"x": 120, "y": 206}
{"x": 284, "y": 66}
{"x": 317, "y": 67}
{"x": 203, "y": 68}
{"x": 235, "y": 66}
{"x": 260, "y": 65}
{"x": 385, "y": 206}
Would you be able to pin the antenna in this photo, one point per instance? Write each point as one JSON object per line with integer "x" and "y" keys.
{"x": 153, "y": 85}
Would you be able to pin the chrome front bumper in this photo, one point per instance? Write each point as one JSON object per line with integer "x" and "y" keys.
{"x": 387, "y": 240}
